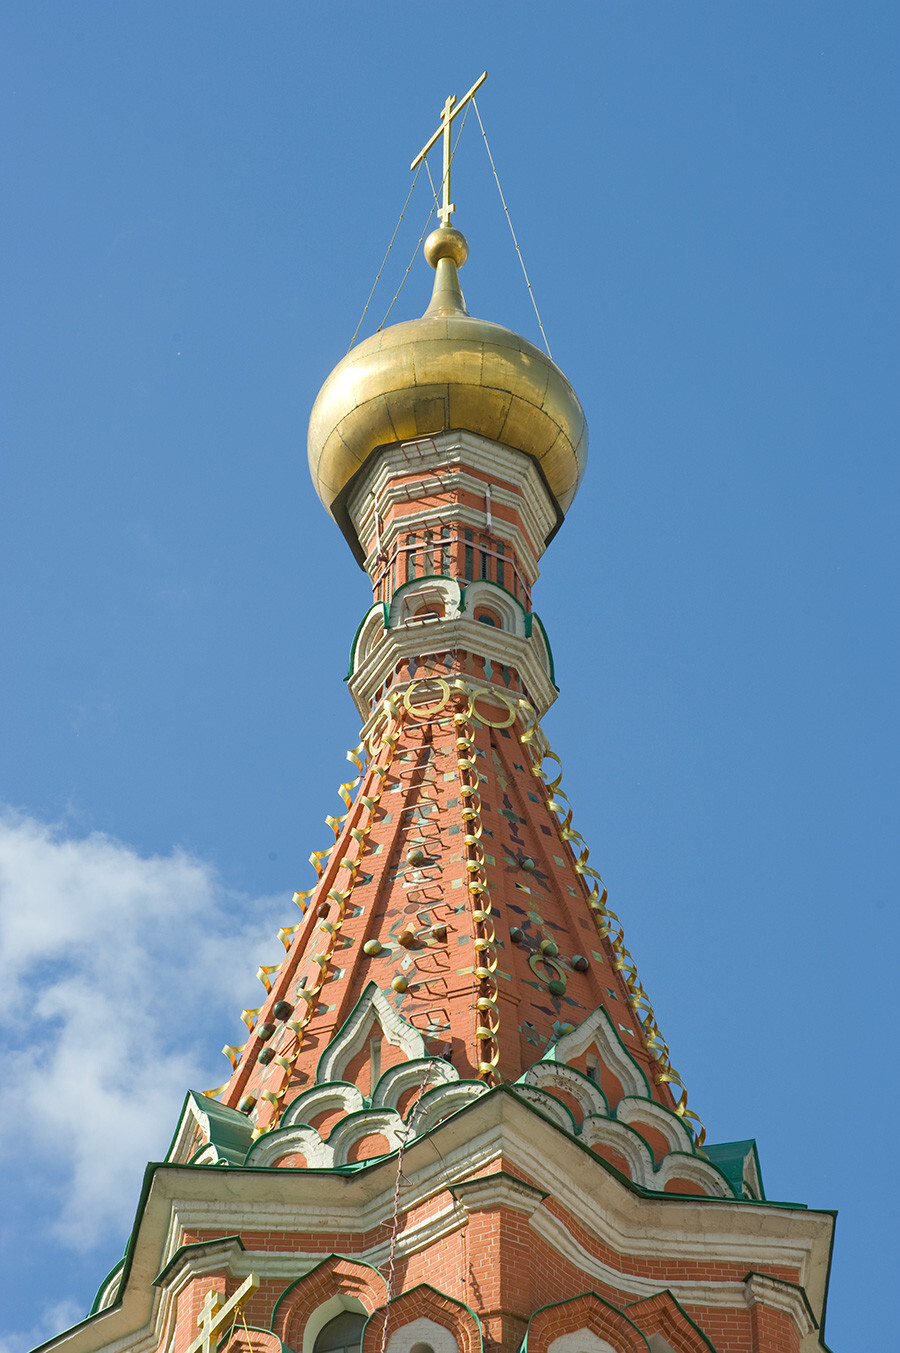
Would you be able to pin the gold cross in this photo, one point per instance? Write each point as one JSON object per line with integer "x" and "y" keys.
{"x": 215, "y": 1313}
{"x": 448, "y": 113}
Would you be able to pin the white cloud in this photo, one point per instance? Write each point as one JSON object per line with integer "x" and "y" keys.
{"x": 120, "y": 978}
{"x": 61, "y": 1315}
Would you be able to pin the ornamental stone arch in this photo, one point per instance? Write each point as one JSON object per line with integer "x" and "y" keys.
{"x": 336, "y": 1284}
{"x": 373, "y": 1008}
{"x": 372, "y": 626}
{"x": 424, "y": 1316}
{"x": 410, "y": 601}
{"x": 583, "y": 1324}
{"x": 496, "y": 599}
{"x": 667, "y": 1327}
{"x": 599, "y": 1032}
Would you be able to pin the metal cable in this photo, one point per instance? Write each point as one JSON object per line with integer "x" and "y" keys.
{"x": 511, "y": 231}
{"x": 406, "y": 274}
{"x": 428, "y": 222}
{"x": 387, "y": 252}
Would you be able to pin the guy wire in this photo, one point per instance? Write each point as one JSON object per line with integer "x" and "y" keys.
{"x": 387, "y": 252}
{"x": 427, "y": 223}
{"x": 511, "y": 231}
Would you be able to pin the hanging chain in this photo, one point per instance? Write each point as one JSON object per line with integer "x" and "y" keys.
{"x": 395, "y": 1222}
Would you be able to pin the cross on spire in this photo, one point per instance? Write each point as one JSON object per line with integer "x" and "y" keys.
{"x": 448, "y": 113}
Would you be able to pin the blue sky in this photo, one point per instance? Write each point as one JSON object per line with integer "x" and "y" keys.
{"x": 198, "y": 198}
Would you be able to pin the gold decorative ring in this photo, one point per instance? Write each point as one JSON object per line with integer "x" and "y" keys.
{"x": 426, "y": 711}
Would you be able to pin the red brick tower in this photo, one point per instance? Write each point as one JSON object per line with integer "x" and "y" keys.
{"x": 454, "y": 1124}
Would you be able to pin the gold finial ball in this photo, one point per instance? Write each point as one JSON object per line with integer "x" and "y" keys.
{"x": 445, "y": 242}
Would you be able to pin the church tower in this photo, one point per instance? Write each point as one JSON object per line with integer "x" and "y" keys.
{"x": 454, "y": 1125}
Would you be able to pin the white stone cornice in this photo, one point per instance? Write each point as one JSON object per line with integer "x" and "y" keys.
{"x": 194, "y": 1261}
{"x": 561, "y": 1240}
{"x": 450, "y": 450}
{"x": 611, "y": 1217}
{"x": 497, "y": 1190}
{"x": 501, "y": 648}
{"x": 761, "y": 1290}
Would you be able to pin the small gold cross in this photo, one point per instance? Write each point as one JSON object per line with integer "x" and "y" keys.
{"x": 448, "y": 113}
{"x": 215, "y": 1313}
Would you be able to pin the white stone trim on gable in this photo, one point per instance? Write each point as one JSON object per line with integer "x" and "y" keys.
{"x": 372, "y": 1008}
{"x": 322, "y": 1099}
{"x": 635, "y": 1109}
{"x": 303, "y": 1140}
{"x": 546, "y": 1104}
{"x": 345, "y": 1135}
{"x": 398, "y": 1079}
{"x": 762, "y": 1290}
{"x": 483, "y": 592}
{"x": 680, "y": 1166}
{"x": 553, "y": 1076}
{"x": 438, "y": 1104}
{"x": 599, "y": 1131}
{"x": 599, "y": 1029}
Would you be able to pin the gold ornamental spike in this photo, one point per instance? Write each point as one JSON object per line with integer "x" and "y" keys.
{"x": 446, "y": 250}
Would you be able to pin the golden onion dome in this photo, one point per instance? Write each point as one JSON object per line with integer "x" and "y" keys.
{"x": 447, "y": 370}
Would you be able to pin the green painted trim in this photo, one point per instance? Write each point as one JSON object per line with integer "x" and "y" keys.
{"x": 178, "y": 1124}
{"x": 347, "y": 1258}
{"x": 194, "y": 1248}
{"x": 115, "y": 1271}
{"x": 722, "y": 1175}
{"x": 384, "y": 616}
{"x": 709, "y": 1344}
{"x": 729, "y": 1157}
{"x": 832, "y": 1213}
{"x": 532, "y": 1105}
{"x": 229, "y": 1130}
{"x": 796, "y": 1286}
{"x": 128, "y": 1259}
{"x": 364, "y": 995}
{"x": 568, "y": 1301}
{"x": 535, "y": 616}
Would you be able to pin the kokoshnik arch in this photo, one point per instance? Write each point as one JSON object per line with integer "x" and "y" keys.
{"x": 455, "y": 1124}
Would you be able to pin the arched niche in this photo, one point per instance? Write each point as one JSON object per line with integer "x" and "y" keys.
{"x": 424, "y": 600}
{"x": 420, "y": 1335}
{"x": 485, "y": 598}
{"x": 332, "y": 1311}
{"x": 581, "y": 1341}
